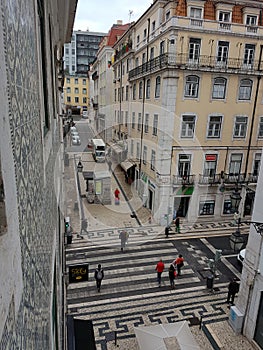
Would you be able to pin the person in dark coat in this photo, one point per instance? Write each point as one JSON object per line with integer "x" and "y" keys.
{"x": 177, "y": 224}
{"x": 172, "y": 274}
{"x": 99, "y": 275}
{"x": 233, "y": 289}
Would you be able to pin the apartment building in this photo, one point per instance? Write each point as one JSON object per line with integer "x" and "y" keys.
{"x": 32, "y": 232}
{"x": 188, "y": 78}
{"x": 102, "y": 78}
{"x": 81, "y": 51}
{"x": 76, "y": 94}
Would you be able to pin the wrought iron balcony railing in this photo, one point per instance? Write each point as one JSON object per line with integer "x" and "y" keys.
{"x": 183, "y": 180}
{"x": 183, "y": 61}
{"x": 234, "y": 178}
{"x": 209, "y": 180}
{"x": 252, "y": 178}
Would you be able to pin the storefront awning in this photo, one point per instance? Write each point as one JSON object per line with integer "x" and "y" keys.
{"x": 126, "y": 165}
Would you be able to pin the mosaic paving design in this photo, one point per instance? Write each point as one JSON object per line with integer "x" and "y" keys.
{"x": 130, "y": 296}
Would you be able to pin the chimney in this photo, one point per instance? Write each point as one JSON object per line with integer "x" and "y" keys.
{"x": 119, "y": 22}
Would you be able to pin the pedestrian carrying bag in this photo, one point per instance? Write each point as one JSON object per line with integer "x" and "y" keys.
{"x": 99, "y": 275}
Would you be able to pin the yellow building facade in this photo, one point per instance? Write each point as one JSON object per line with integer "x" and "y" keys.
{"x": 76, "y": 94}
{"x": 188, "y": 99}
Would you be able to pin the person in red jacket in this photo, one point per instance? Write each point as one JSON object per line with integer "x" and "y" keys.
{"x": 179, "y": 262}
{"x": 159, "y": 268}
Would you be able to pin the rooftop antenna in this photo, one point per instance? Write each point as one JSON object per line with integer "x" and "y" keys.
{"x": 130, "y": 14}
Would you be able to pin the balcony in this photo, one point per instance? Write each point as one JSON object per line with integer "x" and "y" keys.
{"x": 234, "y": 178}
{"x": 209, "y": 180}
{"x": 183, "y": 181}
{"x": 252, "y": 178}
{"x": 202, "y": 63}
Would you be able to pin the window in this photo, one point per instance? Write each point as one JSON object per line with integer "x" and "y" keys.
{"x": 152, "y": 53}
{"x": 249, "y": 54}
{"x": 222, "y": 51}
{"x": 153, "y": 26}
{"x": 73, "y": 51}
{"x": 144, "y": 33}
{"x": 138, "y": 150}
{"x": 206, "y": 207}
{"x": 84, "y": 91}
{"x": 76, "y": 99}
{"x": 214, "y": 127}
{"x": 260, "y": 128}
{"x": 227, "y": 209}
{"x": 118, "y": 117}
{"x": 68, "y": 90}
{"x": 146, "y": 124}
{"x": 140, "y": 90}
{"x": 153, "y": 159}
{"x": 224, "y": 16}
{"x": 167, "y": 15}
{"x": 191, "y": 86}
{"x": 256, "y": 164}
{"x": 184, "y": 165}
{"x": 115, "y": 95}
{"x": 235, "y": 163}
{"x": 245, "y": 89}
{"x": 127, "y": 65}
{"x": 240, "y": 129}
{"x": 84, "y": 82}
{"x": 133, "y": 120}
{"x": 68, "y": 99}
{"x": 67, "y": 51}
{"x": 68, "y": 80}
{"x": 121, "y": 120}
{"x": 84, "y": 100}
{"x": 76, "y": 90}
{"x": 194, "y": 49}
{"x": 148, "y": 88}
{"x": 157, "y": 87}
{"x": 134, "y": 92}
{"x": 143, "y": 58}
{"x": 188, "y": 126}
{"x": 138, "y": 39}
{"x": 127, "y": 93}
{"x": 139, "y": 121}
{"x": 219, "y": 88}
{"x": 144, "y": 155}
{"x": 119, "y": 93}
{"x": 251, "y": 20}
{"x": 122, "y": 93}
{"x": 162, "y": 47}
{"x": 210, "y": 165}
{"x": 126, "y": 118}
{"x": 73, "y": 67}
{"x": 76, "y": 80}
{"x": 155, "y": 124}
{"x": 196, "y": 12}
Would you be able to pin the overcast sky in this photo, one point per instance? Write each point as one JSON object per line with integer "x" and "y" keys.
{"x": 100, "y": 15}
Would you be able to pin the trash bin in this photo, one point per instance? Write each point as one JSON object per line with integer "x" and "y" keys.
{"x": 210, "y": 281}
{"x": 69, "y": 239}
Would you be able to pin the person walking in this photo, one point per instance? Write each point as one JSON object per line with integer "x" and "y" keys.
{"x": 179, "y": 262}
{"x": 124, "y": 236}
{"x": 117, "y": 196}
{"x": 159, "y": 268}
{"x": 99, "y": 275}
{"x": 172, "y": 274}
{"x": 233, "y": 289}
{"x": 177, "y": 224}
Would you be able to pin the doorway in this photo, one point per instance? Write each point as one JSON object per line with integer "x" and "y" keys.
{"x": 259, "y": 325}
{"x": 150, "y": 199}
{"x": 181, "y": 205}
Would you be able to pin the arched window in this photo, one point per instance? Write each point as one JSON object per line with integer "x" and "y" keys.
{"x": 140, "y": 90}
{"x": 245, "y": 89}
{"x": 191, "y": 86}
{"x": 219, "y": 88}
{"x": 148, "y": 88}
{"x": 157, "y": 86}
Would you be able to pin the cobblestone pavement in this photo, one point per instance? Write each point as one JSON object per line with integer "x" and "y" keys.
{"x": 130, "y": 296}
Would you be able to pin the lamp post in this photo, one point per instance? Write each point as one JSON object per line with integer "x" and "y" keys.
{"x": 235, "y": 198}
{"x": 236, "y": 239}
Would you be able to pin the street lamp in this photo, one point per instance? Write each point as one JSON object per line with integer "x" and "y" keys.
{"x": 235, "y": 198}
{"x": 236, "y": 239}
{"x": 80, "y": 167}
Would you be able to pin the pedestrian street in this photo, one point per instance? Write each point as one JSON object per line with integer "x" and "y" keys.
{"x": 130, "y": 295}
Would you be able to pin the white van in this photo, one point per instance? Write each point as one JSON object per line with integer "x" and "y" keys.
{"x": 98, "y": 150}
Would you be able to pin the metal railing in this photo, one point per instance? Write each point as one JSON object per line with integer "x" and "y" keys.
{"x": 183, "y": 180}
{"x": 203, "y": 62}
{"x": 209, "y": 180}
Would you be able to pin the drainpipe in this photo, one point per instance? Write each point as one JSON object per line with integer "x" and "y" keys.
{"x": 143, "y": 99}
{"x": 254, "y": 111}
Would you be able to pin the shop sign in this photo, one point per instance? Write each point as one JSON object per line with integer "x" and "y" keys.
{"x": 78, "y": 273}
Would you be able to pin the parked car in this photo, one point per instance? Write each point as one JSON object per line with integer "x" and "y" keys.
{"x": 241, "y": 256}
{"x": 76, "y": 140}
{"x": 74, "y": 133}
{"x": 73, "y": 129}
{"x": 85, "y": 114}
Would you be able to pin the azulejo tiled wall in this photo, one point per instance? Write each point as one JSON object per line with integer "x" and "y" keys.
{"x": 37, "y": 206}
